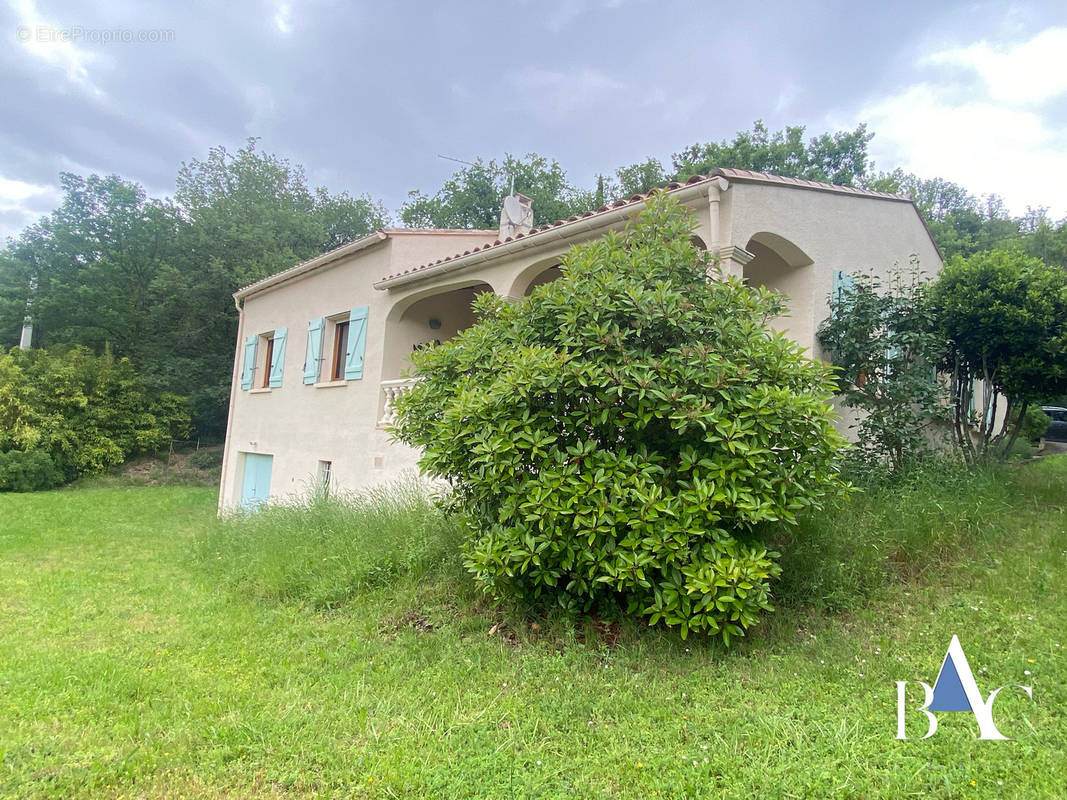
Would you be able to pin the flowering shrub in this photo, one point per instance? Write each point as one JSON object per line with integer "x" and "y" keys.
{"x": 630, "y": 432}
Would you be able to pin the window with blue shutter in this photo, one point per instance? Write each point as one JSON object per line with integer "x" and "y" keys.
{"x": 313, "y": 355}
{"x": 842, "y": 283}
{"x": 249, "y": 363}
{"x": 892, "y": 353}
{"x": 357, "y": 343}
{"x": 277, "y": 362}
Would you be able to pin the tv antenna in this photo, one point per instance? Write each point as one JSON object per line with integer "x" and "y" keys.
{"x": 511, "y": 189}
{"x": 457, "y": 160}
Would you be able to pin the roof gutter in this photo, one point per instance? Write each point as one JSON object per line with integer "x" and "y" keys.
{"x": 297, "y": 271}
{"x": 544, "y": 238}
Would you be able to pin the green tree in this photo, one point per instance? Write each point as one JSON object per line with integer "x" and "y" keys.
{"x": 255, "y": 213}
{"x": 86, "y": 412}
{"x": 91, "y": 264}
{"x": 1004, "y": 317}
{"x": 17, "y": 275}
{"x": 839, "y": 157}
{"x": 153, "y": 279}
{"x": 246, "y": 215}
{"x": 472, "y": 197}
{"x": 639, "y": 178}
{"x": 961, "y": 223}
{"x": 885, "y": 341}
{"x": 631, "y": 431}
{"x": 1042, "y": 238}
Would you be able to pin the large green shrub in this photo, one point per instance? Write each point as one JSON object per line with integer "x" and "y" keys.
{"x": 86, "y": 412}
{"x": 884, "y": 338}
{"x": 27, "y": 472}
{"x": 206, "y": 459}
{"x": 630, "y": 432}
{"x": 1004, "y": 319}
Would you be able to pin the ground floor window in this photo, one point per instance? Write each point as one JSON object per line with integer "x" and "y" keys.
{"x": 325, "y": 478}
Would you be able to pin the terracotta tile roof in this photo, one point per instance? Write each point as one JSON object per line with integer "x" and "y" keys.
{"x": 765, "y": 177}
{"x": 742, "y": 175}
{"x": 322, "y": 258}
{"x": 348, "y": 248}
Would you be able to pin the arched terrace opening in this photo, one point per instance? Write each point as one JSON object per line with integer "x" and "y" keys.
{"x": 553, "y": 273}
{"x": 424, "y": 320}
{"x": 537, "y": 274}
{"x": 782, "y": 266}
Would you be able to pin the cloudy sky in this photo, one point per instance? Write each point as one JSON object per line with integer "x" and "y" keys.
{"x": 365, "y": 95}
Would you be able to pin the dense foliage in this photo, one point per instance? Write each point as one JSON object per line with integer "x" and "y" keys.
{"x": 997, "y": 318}
{"x": 963, "y": 224}
{"x": 1003, "y": 318}
{"x": 839, "y": 157}
{"x": 153, "y": 279}
{"x": 630, "y": 432}
{"x": 473, "y": 196}
{"x": 31, "y": 471}
{"x": 83, "y": 413}
{"x": 883, "y": 337}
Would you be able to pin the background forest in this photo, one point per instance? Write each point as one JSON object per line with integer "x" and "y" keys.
{"x": 150, "y": 279}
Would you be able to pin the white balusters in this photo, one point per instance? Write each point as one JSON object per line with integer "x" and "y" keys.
{"x": 392, "y": 390}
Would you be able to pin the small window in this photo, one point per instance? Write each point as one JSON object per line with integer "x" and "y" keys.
{"x": 325, "y": 478}
{"x": 340, "y": 350}
{"x": 268, "y": 361}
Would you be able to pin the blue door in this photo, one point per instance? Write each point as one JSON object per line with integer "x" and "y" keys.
{"x": 256, "y": 488}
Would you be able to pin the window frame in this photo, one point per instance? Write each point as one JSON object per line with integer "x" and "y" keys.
{"x": 268, "y": 357}
{"x": 324, "y": 479}
{"x": 341, "y": 330}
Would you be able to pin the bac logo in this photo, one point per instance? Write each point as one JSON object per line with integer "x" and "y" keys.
{"x": 955, "y": 690}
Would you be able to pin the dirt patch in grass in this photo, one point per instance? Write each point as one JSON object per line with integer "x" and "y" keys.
{"x": 180, "y": 468}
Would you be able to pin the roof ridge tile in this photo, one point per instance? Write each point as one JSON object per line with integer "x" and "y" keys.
{"x": 725, "y": 172}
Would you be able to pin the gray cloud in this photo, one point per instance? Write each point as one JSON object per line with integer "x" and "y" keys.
{"x": 365, "y": 95}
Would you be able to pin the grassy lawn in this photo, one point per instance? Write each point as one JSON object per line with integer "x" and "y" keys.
{"x": 129, "y": 669}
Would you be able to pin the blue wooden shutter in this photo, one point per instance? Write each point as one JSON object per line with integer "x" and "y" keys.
{"x": 842, "y": 283}
{"x": 357, "y": 343}
{"x": 278, "y": 355}
{"x": 250, "y": 362}
{"x": 314, "y": 350}
{"x": 891, "y": 354}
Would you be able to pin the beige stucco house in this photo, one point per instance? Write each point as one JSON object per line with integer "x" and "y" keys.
{"x": 323, "y": 346}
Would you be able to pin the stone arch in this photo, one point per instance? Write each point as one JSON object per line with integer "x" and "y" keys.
{"x": 540, "y": 272}
{"x": 782, "y": 266}
{"x": 786, "y": 250}
{"x": 426, "y": 318}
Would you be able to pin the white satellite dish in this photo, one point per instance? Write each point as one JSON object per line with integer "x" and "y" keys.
{"x": 516, "y": 216}
{"x": 513, "y": 210}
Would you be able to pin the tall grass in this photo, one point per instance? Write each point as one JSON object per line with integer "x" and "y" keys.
{"x": 326, "y": 550}
{"x": 893, "y": 529}
{"x": 123, "y": 673}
